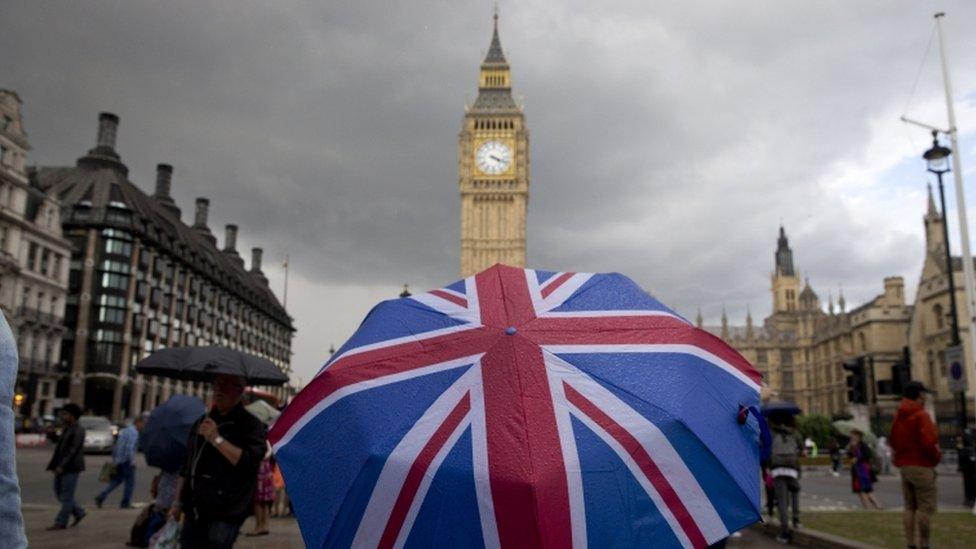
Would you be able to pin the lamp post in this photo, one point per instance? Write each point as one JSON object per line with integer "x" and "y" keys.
{"x": 937, "y": 161}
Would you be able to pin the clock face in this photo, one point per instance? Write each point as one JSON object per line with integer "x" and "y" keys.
{"x": 493, "y": 157}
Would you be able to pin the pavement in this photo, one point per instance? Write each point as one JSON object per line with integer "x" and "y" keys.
{"x": 109, "y": 527}
{"x": 821, "y": 491}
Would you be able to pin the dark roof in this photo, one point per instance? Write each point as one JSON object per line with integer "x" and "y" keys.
{"x": 494, "y": 100}
{"x": 100, "y": 183}
{"x": 495, "y": 55}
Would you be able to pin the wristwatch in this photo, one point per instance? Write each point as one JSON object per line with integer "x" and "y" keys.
{"x": 218, "y": 440}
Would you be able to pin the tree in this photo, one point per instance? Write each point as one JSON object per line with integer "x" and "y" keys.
{"x": 818, "y": 427}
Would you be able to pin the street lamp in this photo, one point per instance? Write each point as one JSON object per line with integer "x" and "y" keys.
{"x": 937, "y": 161}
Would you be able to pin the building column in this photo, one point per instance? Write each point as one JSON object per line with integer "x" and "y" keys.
{"x": 135, "y": 397}
{"x": 167, "y": 390}
{"x": 127, "y": 340}
{"x": 76, "y": 391}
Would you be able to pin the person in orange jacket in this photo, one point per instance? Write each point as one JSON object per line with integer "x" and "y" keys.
{"x": 915, "y": 443}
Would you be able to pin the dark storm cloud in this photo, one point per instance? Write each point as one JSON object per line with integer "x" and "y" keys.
{"x": 668, "y": 140}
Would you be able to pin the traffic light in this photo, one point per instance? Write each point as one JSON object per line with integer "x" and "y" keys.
{"x": 857, "y": 385}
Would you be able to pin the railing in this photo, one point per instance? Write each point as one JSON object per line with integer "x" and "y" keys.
{"x": 35, "y": 315}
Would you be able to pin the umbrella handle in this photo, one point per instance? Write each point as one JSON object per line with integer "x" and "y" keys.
{"x": 765, "y": 437}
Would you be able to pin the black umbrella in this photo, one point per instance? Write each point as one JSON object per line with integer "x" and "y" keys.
{"x": 205, "y": 363}
{"x": 786, "y": 408}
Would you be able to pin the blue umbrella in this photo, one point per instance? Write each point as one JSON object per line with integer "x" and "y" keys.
{"x": 522, "y": 408}
{"x": 781, "y": 408}
{"x": 163, "y": 439}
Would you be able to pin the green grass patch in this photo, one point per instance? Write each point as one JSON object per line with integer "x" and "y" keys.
{"x": 884, "y": 529}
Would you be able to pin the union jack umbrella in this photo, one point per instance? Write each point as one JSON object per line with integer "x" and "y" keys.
{"x": 522, "y": 408}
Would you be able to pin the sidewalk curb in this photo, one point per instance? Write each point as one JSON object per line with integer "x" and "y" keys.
{"x": 805, "y": 537}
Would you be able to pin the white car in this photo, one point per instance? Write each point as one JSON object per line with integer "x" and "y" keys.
{"x": 98, "y": 433}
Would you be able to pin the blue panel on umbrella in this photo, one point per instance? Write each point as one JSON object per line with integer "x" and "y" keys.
{"x": 449, "y": 515}
{"x": 619, "y": 513}
{"x": 543, "y": 276}
{"x": 330, "y": 483}
{"x": 699, "y": 394}
{"x": 397, "y": 318}
{"x": 611, "y": 292}
{"x": 458, "y": 286}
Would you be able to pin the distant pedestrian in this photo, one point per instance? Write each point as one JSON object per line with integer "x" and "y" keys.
{"x": 784, "y": 463}
{"x": 280, "y": 507}
{"x": 834, "y": 457}
{"x": 264, "y": 496}
{"x": 863, "y": 475}
{"x": 915, "y": 444}
{"x": 884, "y": 455}
{"x": 217, "y": 483}
{"x": 770, "y": 488}
{"x": 124, "y": 459}
{"x": 11, "y": 519}
{"x": 67, "y": 463}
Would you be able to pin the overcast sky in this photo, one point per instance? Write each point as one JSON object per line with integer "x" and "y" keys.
{"x": 668, "y": 139}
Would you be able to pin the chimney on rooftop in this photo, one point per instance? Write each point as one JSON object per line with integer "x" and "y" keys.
{"x": 256, "y": 260}
{"x": 108, "y": 125}
{"x": 164, "y": 178}
{"x": 230, "y": 238}
{"x": 200, "y": 219}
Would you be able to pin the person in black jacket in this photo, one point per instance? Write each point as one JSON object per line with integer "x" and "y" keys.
{"x": 67, "y": 463}
{"x": 220, "y": 469}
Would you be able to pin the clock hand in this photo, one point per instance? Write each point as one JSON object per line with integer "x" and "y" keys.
{"x": 495, "y": 158}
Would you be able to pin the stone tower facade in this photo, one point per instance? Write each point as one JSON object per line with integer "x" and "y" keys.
{"x": 493, "y": 170}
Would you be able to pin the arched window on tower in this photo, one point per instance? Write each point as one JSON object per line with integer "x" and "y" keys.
{"x": 939, "y": 318}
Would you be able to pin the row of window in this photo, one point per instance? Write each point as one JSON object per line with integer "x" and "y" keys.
{"x": 43, "y": 260}
{"x": 489, "y": 124}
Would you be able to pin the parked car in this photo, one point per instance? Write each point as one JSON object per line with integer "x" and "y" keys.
{"x": 98, "y": 434}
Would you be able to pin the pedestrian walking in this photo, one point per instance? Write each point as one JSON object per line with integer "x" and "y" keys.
{"x": 124, "y": 459}
{"x": 67, "y": 463}
{"x": 915, "y": 444}
{"x": 863, "y": 475}
{"x": 784, "y": 463}
{"x": 834, "y": 457}
{"x": 770, "y": 488}
{"x": 264, "y": 495}
{"x": 216, "y": 488}
{"x": 884, "y": 455}
{"x": 280, "y": 507}
{"x": 11, "y": 519}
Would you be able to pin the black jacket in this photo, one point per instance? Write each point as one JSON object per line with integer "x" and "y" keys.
{"x": 213, "y": 488}
{"x": 69, "y": 453}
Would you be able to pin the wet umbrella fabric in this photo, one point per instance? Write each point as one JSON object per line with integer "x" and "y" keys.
{"x": 263, "y": 411}
{"x": 525, "y": 408}
{"x": 205, "y": 363}
{"x": 845, "y": 426}
{"x": 163, "y": 438}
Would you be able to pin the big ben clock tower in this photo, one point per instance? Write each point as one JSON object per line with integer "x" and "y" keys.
{"x": 493, "y": 170}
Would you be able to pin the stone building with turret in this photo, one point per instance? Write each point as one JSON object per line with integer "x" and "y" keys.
{"x": 141, "y": 279}
{"x": 802, "y": 346}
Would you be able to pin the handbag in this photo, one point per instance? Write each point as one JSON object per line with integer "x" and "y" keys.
{"x": 168, "y": 537}
{"x": 108, "y": 472}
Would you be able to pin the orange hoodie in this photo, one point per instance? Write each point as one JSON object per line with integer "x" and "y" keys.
{"x": 914, "y": 439}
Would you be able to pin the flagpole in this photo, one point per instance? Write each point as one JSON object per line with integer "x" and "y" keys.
{"x": 967, "y": 256}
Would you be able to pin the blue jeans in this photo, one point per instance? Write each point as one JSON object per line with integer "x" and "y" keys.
{"x": 64, "y": 488}
{"x": 124, "y": 472}
{"x": 204, "y": 534}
